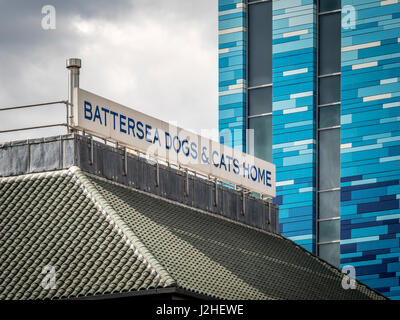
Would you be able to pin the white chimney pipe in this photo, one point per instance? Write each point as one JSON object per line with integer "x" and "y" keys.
{"x": 73, "y": 65}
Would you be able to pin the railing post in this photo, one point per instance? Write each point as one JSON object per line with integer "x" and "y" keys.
{"x": 125, "y": 162}
{"x": 157, "y": 174}
{"x": 243, "y": 202}
{"x": 186, "y": 193}
{"x": 91, "y": 159}
{"x": 73, "y": 65}
{"x": 216, "y": 192}
{"x": 269, "y": 211}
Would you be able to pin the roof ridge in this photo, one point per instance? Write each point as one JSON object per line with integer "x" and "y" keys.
{"x": 112, "y": 216}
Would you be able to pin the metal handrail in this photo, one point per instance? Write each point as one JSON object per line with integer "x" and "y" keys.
{"x": 36, "y": 127}
{"x": 34, "y": 105}
{"x": 64, "y": 124}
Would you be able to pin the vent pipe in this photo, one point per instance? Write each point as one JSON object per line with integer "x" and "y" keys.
{"x": 73, "y": 66}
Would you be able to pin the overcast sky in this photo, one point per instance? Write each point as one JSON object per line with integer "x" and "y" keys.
{"x": 156, "y": 56}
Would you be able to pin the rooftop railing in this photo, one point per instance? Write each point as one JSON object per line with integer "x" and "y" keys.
{"x": 5, "y": 133}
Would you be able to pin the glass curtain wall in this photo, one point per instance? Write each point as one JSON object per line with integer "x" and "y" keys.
{"x": 328, "y": 142}
{"x": 259, "y": 79}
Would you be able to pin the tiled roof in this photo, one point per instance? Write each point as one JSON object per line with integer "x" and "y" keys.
{"x": 102, "y": 237}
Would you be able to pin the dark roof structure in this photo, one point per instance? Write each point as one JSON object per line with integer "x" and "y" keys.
{"x": 105, "y": 238}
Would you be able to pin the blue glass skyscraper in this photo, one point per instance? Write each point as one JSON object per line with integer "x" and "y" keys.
{"x": 313, "y": 86}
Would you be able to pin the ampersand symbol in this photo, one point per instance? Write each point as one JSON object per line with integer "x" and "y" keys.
{"x": 204, "y": 156}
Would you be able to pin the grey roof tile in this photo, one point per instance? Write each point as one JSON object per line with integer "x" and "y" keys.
{"x": 105, "y": 238}
{"x": 49, "y": 220}
{"x": 215, "y": 257}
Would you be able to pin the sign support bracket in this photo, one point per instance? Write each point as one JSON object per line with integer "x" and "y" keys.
{"x": 157, "y": 174}
{"x": 216, "y": 193}
{"x": 125, "y": 162}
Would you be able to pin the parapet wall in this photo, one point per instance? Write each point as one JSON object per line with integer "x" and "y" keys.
{"x": 62, "y": 152}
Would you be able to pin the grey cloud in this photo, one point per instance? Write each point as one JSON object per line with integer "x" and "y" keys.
{"x": 20, "y": 20}
{"x": 155, "y": 55}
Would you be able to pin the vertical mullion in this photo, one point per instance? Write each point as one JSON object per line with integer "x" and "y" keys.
{"x": 318, "y": 131}
{"x": 317, "y": 136}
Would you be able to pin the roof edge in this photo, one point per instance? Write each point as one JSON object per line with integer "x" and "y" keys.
{"x": 146, "y": 293}
{"x": 334, "y": 268}
{"x": 123, "y": 230}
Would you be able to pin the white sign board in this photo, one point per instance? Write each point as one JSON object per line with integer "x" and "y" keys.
{"x": 139, "y": 131}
